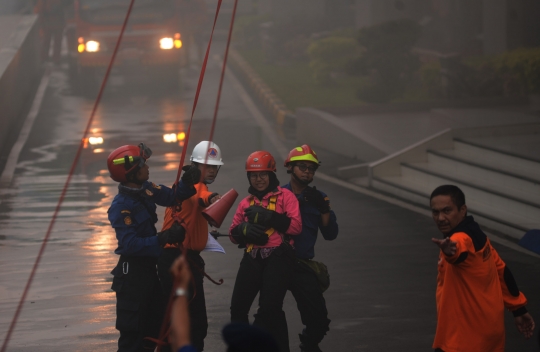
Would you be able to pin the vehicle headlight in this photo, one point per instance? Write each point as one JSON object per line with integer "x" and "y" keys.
{"x": 95, "y": 140}
{"x": 92, "y": 46}
{"x": 166, "y": 43}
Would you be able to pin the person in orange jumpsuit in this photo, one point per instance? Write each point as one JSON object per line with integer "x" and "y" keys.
{"x": 207, "y": 157}
{"x": 474, "y": 285}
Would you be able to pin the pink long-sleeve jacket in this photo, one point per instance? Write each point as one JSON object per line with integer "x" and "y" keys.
{"x": 286, "y": 203}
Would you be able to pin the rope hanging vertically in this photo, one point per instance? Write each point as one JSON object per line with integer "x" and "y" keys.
{"x": 164, "y": 331}
{"x": 66, "y": 184}
{"x": 197, "y": 93}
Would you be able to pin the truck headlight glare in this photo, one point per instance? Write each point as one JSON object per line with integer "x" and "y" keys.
{"x": 166, "y": 43}
{"x": 92, "y": 46}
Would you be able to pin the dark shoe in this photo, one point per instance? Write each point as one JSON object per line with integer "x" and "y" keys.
{"x": 308, "y": 346}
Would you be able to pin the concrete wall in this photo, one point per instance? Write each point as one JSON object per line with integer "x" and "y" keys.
{"x": 20, "y": 70}
{"x": 321, "y": 129}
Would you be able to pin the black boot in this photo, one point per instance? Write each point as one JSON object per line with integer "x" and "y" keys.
{"x": 308, "y": 345}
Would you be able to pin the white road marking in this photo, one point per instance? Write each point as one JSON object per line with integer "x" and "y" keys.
{"x": 11, "y": 164}
{"x": 282, "y": 150}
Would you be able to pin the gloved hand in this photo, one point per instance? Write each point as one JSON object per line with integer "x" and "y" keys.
{"x": 175, "y": 234}
{"x": 315, "y": 198}
{"x": 259, "y": 215}
{"x": 191, "y": 176}
{"x": 253, "y": 233}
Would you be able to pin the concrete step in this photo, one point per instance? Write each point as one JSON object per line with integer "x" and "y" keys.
{"x": 418, "y": 180}
{"x": 485, "y": 200}
{"x": 497, "y": 181}
{"x": 412, "y": 192}
{"x": 496, "y": 159}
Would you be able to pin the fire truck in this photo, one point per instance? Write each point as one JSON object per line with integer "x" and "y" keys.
{"x": 152, "y": 45}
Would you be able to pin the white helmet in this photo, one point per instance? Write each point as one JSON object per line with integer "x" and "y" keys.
{"x": 208, "y": 151}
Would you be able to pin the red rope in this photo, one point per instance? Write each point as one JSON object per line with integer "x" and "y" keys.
{"x": 216, "y": 107}
{"x": 66, "y": 185}
{"x": 196, "y": 100}
{"x": 165, "y": 328}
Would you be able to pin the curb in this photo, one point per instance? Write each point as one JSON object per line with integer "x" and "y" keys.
{"x": 261, "y": 91}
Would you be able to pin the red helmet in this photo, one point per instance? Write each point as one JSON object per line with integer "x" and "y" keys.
{"x": 126, "y": 160}
{"x": 260, "y": 161}
{"x": 303, "y": 153}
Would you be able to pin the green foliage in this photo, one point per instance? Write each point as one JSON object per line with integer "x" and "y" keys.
{"x": 295, "y": 48}
{"x": 332, "y": 54}
{"x": 523, "y": 65}
{"x": 514, "y": 73}
{"x": 294, "y": 84}
{"x": 386, "y": 59}
{"x": 247, "y": 28}
{"x": 390, "y": 37}
{"x": 431, "y": 78}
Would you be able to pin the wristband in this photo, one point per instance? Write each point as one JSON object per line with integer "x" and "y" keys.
{"x": 180, "y": 292}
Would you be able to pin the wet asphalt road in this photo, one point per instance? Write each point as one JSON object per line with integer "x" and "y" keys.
{"x": 383, "y": 265}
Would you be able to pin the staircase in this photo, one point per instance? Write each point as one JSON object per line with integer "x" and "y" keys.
{"x": 502, "y": 188}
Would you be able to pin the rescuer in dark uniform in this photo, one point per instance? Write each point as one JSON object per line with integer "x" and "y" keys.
{"x": 302, "y": 163}
{"x": 133, "y": 216}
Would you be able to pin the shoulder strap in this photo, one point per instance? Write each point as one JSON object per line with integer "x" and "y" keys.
{"x": 271, "y": 206}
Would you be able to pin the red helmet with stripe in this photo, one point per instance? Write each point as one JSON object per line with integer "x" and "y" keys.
{"x": 127, "y": 160}
{"x": 260, "y": 161}
{"x": 303, "y": 153}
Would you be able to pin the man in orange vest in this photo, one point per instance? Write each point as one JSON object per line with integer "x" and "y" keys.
{"x": 206, "y": 157}
{"x": 474, "y": 285}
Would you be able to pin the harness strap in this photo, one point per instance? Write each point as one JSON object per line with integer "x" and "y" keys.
{"x": 271, "y": 206}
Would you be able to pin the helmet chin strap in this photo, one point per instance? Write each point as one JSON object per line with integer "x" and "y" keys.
{"x": 305, "y": 183}
{"x": 132, "y": 177}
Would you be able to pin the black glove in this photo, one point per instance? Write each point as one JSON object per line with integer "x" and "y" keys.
{"x": 175, "y": 234}
{"x": 316, "y": 199}
{"x": 259, "y": 215}
{"x": 251, "y": 233}
{"x": 191, "y": 176}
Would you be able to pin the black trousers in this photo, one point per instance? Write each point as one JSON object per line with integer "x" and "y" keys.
{"x": 270, "y": 277}
{"x": 139, "y": 309}
{"x": 310, "y": 302}
{"x": 197, "y": 301}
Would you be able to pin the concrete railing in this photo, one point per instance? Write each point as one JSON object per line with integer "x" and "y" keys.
{"x": 20, "y": 71}
{"x": 391, "y": 165}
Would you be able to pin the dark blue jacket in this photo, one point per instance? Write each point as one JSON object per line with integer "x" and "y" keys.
{"x": 304, "y": 243}
{"x": 133, "y": 216}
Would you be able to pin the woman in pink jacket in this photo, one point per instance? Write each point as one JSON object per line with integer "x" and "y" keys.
{"x": 263, "y": 224}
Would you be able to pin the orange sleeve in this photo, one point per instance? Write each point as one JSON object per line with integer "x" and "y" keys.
{"x": 464, "y": 245}
{"x": 513, "y": 298}
{"x": 204, "y": 197}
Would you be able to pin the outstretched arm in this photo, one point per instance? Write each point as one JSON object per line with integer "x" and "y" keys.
{"x": 446, "y": 245}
